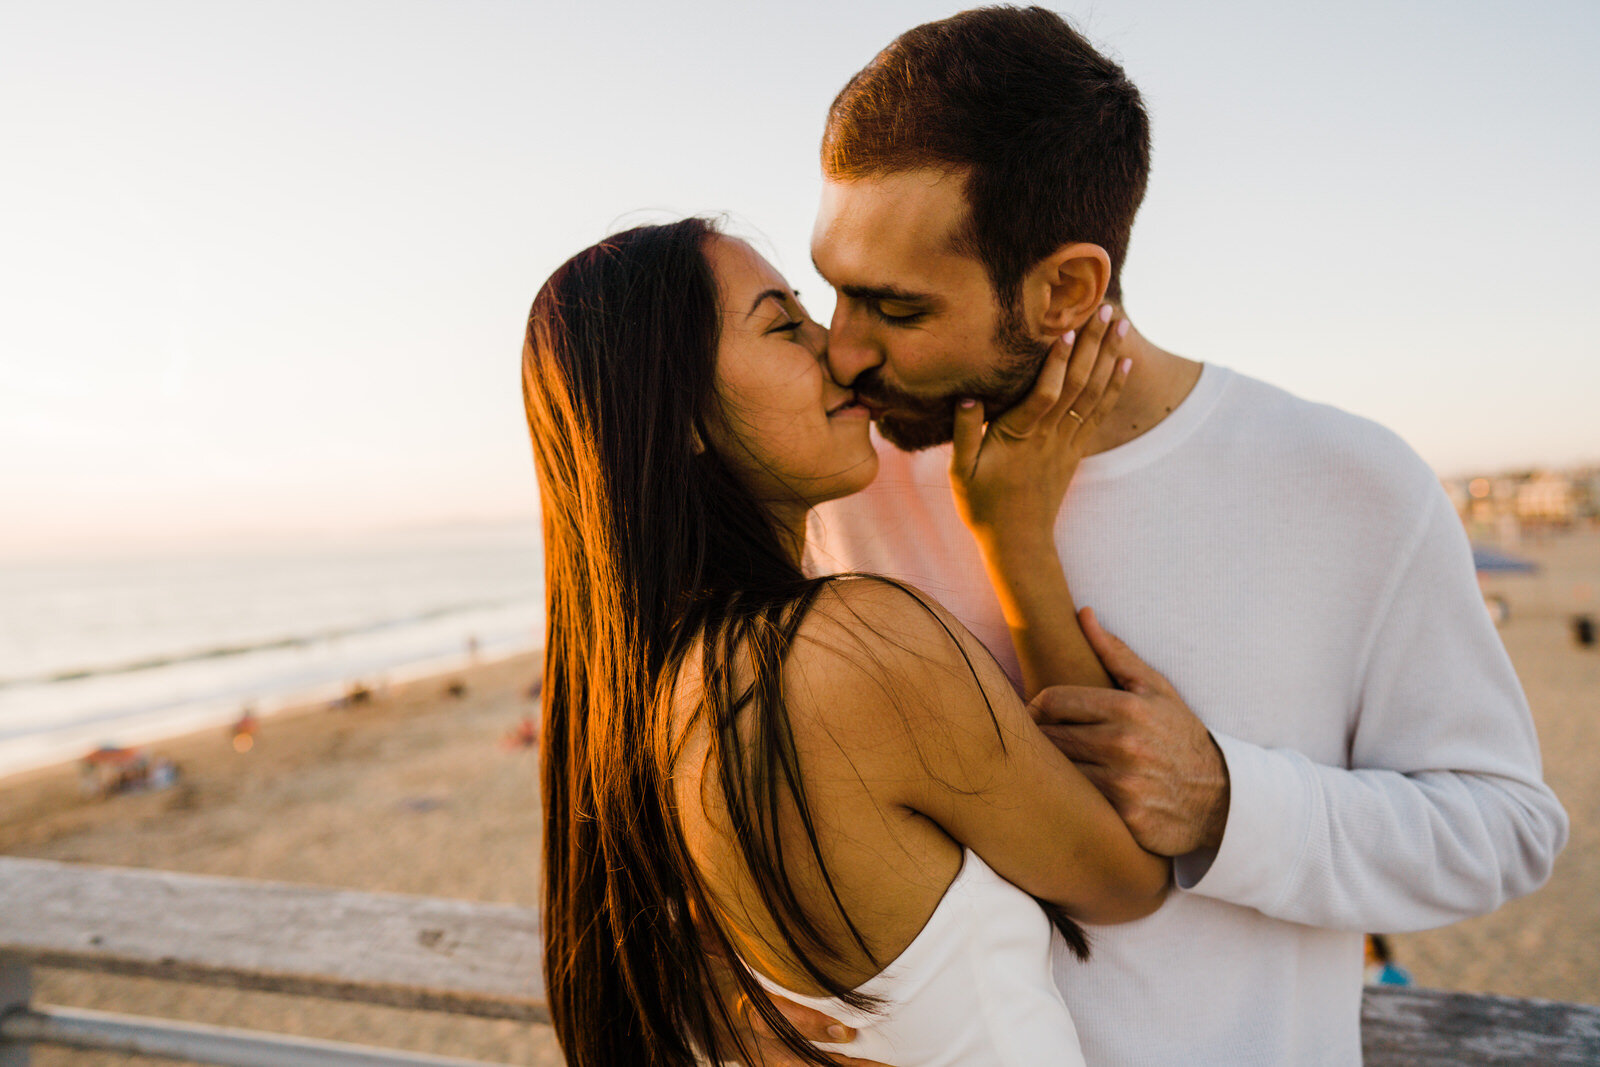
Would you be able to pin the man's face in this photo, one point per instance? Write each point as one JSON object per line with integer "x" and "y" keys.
{"x": 917, "y": 325}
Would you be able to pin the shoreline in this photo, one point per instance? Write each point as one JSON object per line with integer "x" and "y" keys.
{"x": 290, "y": 701}
{"x": 41, "y": 802}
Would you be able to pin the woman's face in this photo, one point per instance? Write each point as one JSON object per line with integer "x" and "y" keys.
{"x": 791, "y": 432}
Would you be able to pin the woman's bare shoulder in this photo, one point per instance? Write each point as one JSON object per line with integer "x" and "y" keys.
{"x": 885, "y": 619}
{"x": 874, "y": 653}
{"x": 869, "y": 605}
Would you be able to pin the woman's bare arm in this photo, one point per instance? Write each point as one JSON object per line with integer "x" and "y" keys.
{"x": 932, "y": 725}
{"x": 1009, "y": 479}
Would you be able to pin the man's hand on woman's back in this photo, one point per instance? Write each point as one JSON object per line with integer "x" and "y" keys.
{"x": 754, "y": 1034}
{"x": 768, "y": 1051}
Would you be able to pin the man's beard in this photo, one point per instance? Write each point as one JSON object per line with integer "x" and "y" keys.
{"x": 912, "y": 422}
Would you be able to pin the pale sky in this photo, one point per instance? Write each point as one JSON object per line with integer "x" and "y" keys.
{"x": 265, "y": 265}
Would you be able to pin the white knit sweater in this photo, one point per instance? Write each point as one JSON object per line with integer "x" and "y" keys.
{"x": 1301, "y": 578}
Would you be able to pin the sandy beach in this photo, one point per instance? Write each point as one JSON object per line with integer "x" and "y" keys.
{"x": 410, "y": 793}
{"x": 413, "y": 793}
{"x": 1543, "y": 944}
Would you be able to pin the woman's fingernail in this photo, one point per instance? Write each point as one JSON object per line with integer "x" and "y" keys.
{"x": 1105, "y": 312}
{"x": 838, "y": 1033}
{"x": 1068, "y": 337}
{"x": 967, "y": 402}
{"x": 1126, "y": 365}
{"x": 1122, "y": 328}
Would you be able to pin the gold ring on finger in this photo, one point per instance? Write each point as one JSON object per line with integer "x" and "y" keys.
{"x": 1075, "y": 415}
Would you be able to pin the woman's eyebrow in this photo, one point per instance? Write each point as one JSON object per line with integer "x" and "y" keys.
{"x": 781, "y": 294}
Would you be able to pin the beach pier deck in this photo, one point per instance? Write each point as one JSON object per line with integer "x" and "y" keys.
{"x": 473, "y": 959}
{"x": 376, "y": 948}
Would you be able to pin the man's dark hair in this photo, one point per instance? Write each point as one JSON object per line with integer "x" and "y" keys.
{"x": 1051, "y": 135}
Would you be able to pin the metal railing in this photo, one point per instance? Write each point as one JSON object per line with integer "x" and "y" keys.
{"x": 473, "y": 959}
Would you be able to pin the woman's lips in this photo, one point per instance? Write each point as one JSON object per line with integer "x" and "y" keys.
{"x": 853, "y": 406}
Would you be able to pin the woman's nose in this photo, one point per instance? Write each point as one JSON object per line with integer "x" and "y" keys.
{"x": 816, "y": 338}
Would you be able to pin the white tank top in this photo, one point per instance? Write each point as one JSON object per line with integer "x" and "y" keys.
{"x": 974, "y": 988}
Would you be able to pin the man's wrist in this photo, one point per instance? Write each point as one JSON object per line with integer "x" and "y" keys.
{"x": 1216, "y": 818}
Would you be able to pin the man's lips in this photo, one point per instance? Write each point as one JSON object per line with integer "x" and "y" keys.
{"x": 878, "y": 409}
{"x": 853, "y": 401}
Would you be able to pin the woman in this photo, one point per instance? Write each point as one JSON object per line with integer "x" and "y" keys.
{"x": 827, "y": 779}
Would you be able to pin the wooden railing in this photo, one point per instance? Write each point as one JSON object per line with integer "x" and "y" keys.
{"x": 472, "y": 959}
{"x": 374, "y": 948}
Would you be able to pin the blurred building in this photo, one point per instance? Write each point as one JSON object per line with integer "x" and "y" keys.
{"x": 1504, "y": 506}
{"x": 1546, "y": 499}
{"x": 1586, "y": 490}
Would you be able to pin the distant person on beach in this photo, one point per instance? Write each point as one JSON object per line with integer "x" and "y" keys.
{"x": 803, "y": 774}
{"x": 521, "y": 737}
{"x": 242, "y": 734}
{"x": 1381, "y": 969}
{"x": 1321, "y": 728}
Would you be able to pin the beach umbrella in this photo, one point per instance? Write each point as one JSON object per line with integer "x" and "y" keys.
{"x": 1492, "y": 561}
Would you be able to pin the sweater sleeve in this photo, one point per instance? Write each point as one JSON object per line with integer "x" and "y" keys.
{"x": 1441, "y": 814}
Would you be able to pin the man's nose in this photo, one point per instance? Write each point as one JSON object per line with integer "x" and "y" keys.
{"x": 850, "y": 350}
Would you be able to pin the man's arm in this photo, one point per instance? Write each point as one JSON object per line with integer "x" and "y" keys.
{"x": 1442, "y": 814}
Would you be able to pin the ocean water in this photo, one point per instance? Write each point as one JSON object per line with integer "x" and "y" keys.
{"x": 128, "y": 650}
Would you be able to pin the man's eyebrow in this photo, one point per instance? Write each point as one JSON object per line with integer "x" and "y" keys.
{"x": 886, "y": 292}
{"x": 781, "y": 294}
{"x": 879, "y": 292}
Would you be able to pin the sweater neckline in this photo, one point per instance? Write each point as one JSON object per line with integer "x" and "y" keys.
{"x": 1165, "y": 435}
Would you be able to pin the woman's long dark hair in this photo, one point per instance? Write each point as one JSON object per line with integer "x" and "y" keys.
{"x": 653, "y": 548}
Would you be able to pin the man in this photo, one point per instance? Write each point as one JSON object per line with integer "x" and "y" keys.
{"x": 1351, "y": 750}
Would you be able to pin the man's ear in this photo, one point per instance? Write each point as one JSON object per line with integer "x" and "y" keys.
{"x": 1064, "y": 288}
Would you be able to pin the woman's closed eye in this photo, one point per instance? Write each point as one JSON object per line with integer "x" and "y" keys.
{"x": 791, "y": 327}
